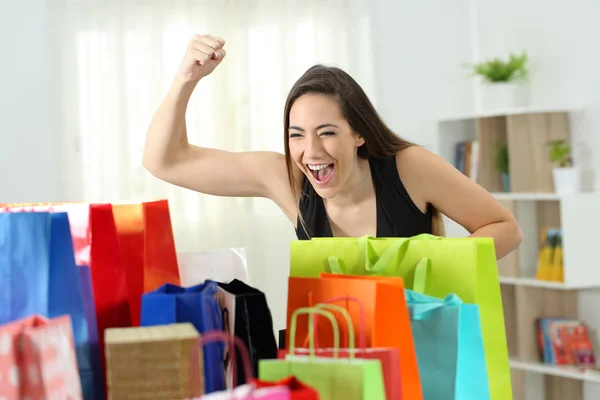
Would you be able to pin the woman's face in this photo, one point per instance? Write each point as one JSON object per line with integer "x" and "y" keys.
{"x": 322, "y": 144}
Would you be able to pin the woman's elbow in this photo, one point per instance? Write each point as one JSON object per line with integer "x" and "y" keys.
{"x": 517, "y": 234}
{"x": 512, "y": 237}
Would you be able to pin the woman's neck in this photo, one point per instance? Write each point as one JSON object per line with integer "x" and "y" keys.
{"x": 357, "y": 189}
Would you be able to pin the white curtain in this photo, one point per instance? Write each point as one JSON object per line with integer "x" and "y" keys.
{"x": 115, "y": 60}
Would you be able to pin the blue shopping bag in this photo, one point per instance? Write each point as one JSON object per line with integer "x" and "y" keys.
{"x": 38, "y": 275}
{"x": 449, "y": 345}
{"x": 197, "y": 305}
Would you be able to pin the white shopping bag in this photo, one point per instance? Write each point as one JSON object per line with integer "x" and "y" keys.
{"x": 221, "y": 265}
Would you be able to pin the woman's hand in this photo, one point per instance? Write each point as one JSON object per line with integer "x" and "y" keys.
{"x": 204, "y": 53}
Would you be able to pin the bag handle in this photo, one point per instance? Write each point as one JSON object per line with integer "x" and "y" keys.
{"x": 374, "y": 265}
{"x": 311, "y": 311}
{"x": 233, "y": 343}
{"x": 362, "y": 340}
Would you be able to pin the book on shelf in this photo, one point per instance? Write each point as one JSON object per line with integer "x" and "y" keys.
{"x": 565, "y": 341}
{"x": 466, "y": 158}
{"x": 550, "y": 259}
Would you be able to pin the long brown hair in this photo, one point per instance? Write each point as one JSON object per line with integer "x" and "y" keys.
{"x": 357, "y": 109}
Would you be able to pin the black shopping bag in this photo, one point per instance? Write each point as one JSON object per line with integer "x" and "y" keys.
{"x": 247, "y": 316}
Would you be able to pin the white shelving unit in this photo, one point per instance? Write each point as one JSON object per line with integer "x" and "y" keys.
{"x": 558, "y": 371}
{"x": 532, "y": 200}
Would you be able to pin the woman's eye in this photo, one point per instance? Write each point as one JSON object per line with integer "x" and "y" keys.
{"x": 327, "y": 134}
{"x": 294, "y": 135}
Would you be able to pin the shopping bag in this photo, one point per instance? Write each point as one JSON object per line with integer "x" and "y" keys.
{"x": 466, "y": 267}
{"x": 91, "y": 382}
{"x": 254, "y": 390}
{"x": 38, "y": 275}
{"x": 37, "y": 359}
{"x": 146, "y": 241}
{"x": 96, "y": 245}
{"x": 389, "y": 357}
{"x": 297, "y": 390}
{"x": 449, "y": 347}
{"x": 334, "y": 378}
{"x": 197, "y": 305}
{"x": 220, "y": 265}
{"x": 387, "y": 323}
{"x": 246, "y": 315}
{"x": 153, "y": 363}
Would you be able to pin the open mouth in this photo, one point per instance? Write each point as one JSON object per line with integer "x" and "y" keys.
{"x": 322, "y": 173}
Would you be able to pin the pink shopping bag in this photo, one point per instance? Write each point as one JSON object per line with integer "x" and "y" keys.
{"x": 37, "y": 359}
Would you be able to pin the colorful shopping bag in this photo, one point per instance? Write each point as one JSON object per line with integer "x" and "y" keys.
{"x": 389, "y": 357}
{"x": 153, "y": 363}
{"x": 37, "y": 359}
{"x": 333, "y": 378}
{"x": 197, "y": 305}
{"x": 387, "y": 323}
{"x": 219, "y": 265}
{"x": 449, "y": 347}
{"x": 96, "y": 245}
{"x": 463, "y": 266}
{"x": 255, "y": 390}
{"x": 297, "y": 390}
{"x": 246, "y": 315}
{"x": 38, "y": 275}
{"x": 148, "y": 247}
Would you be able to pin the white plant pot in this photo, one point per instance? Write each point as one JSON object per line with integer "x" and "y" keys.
{"x": 566, "y": 180}
{"x": 504, "y": 95}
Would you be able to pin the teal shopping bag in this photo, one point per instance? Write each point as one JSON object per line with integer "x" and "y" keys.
{"x": 449, "y": 345}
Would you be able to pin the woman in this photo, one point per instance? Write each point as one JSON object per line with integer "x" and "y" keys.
{"x": 344, "y": 172}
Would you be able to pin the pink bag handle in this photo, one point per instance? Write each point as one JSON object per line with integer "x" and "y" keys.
{"x": 362, "y": 332}
{"x": 232, "y": 342}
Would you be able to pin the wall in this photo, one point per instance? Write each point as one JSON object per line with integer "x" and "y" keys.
{"x": 30, "y": 152}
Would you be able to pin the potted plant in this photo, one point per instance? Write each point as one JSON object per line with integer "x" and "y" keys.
{"x": 504, "y": 81}
{"x": 566, "y": 175}
{"x": 502, "y": 164}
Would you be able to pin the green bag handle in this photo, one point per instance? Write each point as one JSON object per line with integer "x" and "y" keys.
{"x": 349, "y": 324}
{"x": 375, "y": 265}
{"x": 422, "y": 272}
{"x": 311, "y": 338}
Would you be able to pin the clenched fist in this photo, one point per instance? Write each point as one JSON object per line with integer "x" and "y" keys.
{"x": 203, "y": 54}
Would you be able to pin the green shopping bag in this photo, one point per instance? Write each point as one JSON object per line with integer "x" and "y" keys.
{"x": 334, "y": 378}
{"x": 463, "y": 266}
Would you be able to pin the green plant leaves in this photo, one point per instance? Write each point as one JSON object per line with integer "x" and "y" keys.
{"x": 560, "y": 152}
{"x": 498, "y": 70}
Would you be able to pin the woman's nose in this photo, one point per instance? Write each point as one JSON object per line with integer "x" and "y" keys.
{"x": 314, "y": 147}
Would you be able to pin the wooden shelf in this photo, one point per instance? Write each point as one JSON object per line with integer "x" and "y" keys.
{"x": 557, "y": 370}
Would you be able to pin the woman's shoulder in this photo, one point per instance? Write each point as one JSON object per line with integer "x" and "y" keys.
{"x": 416, "y": 166}
{"x": 417, "y": 161}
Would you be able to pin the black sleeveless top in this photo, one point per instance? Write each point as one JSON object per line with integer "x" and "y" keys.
{"x": 397, "y": 214}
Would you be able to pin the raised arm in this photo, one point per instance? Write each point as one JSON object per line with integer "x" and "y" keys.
{"x": 169, "y": 156}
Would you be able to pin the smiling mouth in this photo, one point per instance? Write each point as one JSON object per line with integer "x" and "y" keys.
{"x": 322, "y": 173}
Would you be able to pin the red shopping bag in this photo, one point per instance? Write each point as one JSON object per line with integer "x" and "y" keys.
{"x": 298, "y": 390}
{"x": 389, "y": 357}
{"x": 148, "y": 247}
